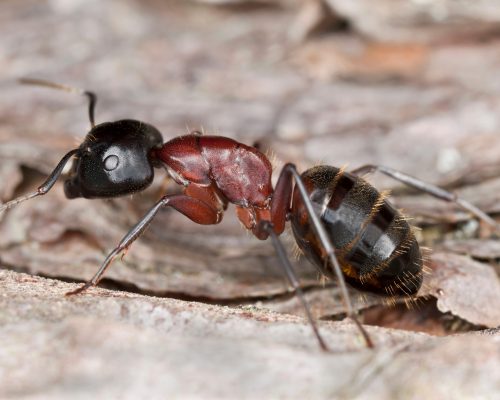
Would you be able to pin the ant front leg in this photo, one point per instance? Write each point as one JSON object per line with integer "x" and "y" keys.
{"x": 195, "y": 209}
{"x": 429, "y": 188}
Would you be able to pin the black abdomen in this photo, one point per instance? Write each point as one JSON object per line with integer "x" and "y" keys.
{"x": 374, "y": 244}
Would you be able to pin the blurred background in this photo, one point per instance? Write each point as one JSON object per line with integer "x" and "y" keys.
{"x": 411, "y": 84}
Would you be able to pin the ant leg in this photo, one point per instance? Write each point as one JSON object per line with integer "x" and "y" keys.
{"x": 430, "y": 189}
{"x": 196, "y": 210}
{"x": 279, "y": 209}
{"x": 45, "y": 187}
{"x": 330, "y": 251}
{"x": 292, "y": 278}
{"x": 91, "y": 95}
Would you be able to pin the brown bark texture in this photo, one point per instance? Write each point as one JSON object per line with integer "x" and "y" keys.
{"x": 204, "y": 311}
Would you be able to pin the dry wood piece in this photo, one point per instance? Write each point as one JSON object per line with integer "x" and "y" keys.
{"x": 481, "y": 249}
{"x": 408, "y": 21}
{"x": 314, "y": 17}
{"x": 112, "y": 344}
{"x": 466, "y": 288}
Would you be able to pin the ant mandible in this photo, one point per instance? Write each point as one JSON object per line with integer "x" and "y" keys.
{"x": 343, "y": 225}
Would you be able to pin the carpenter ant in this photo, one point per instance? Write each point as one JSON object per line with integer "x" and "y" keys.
{"x": 342, "y": 224}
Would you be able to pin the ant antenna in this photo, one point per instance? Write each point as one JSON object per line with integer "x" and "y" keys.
{"x": 46, "y": 186}
{"x": 91, "y": 95}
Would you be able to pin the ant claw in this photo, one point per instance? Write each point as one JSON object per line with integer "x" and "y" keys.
{"x": 80, "y": 289}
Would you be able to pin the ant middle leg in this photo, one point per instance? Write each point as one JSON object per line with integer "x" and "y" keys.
{"x": 429, "y": 188}
{"x": 290, "y": 274}
{"x": 195, "y": 209}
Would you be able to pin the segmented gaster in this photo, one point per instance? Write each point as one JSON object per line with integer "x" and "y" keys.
{"x": 375, "y": 245}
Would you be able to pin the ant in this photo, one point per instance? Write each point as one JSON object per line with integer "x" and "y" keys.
{"x": 343, "y": 225}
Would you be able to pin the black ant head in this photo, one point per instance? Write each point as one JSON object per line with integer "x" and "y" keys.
{"x": 114, "y": 160}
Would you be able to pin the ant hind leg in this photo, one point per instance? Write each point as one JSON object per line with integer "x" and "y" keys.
{"x": 429, "y": 188}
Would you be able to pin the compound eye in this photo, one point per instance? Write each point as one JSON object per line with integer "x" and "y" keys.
{"x": 111, "y": 162}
